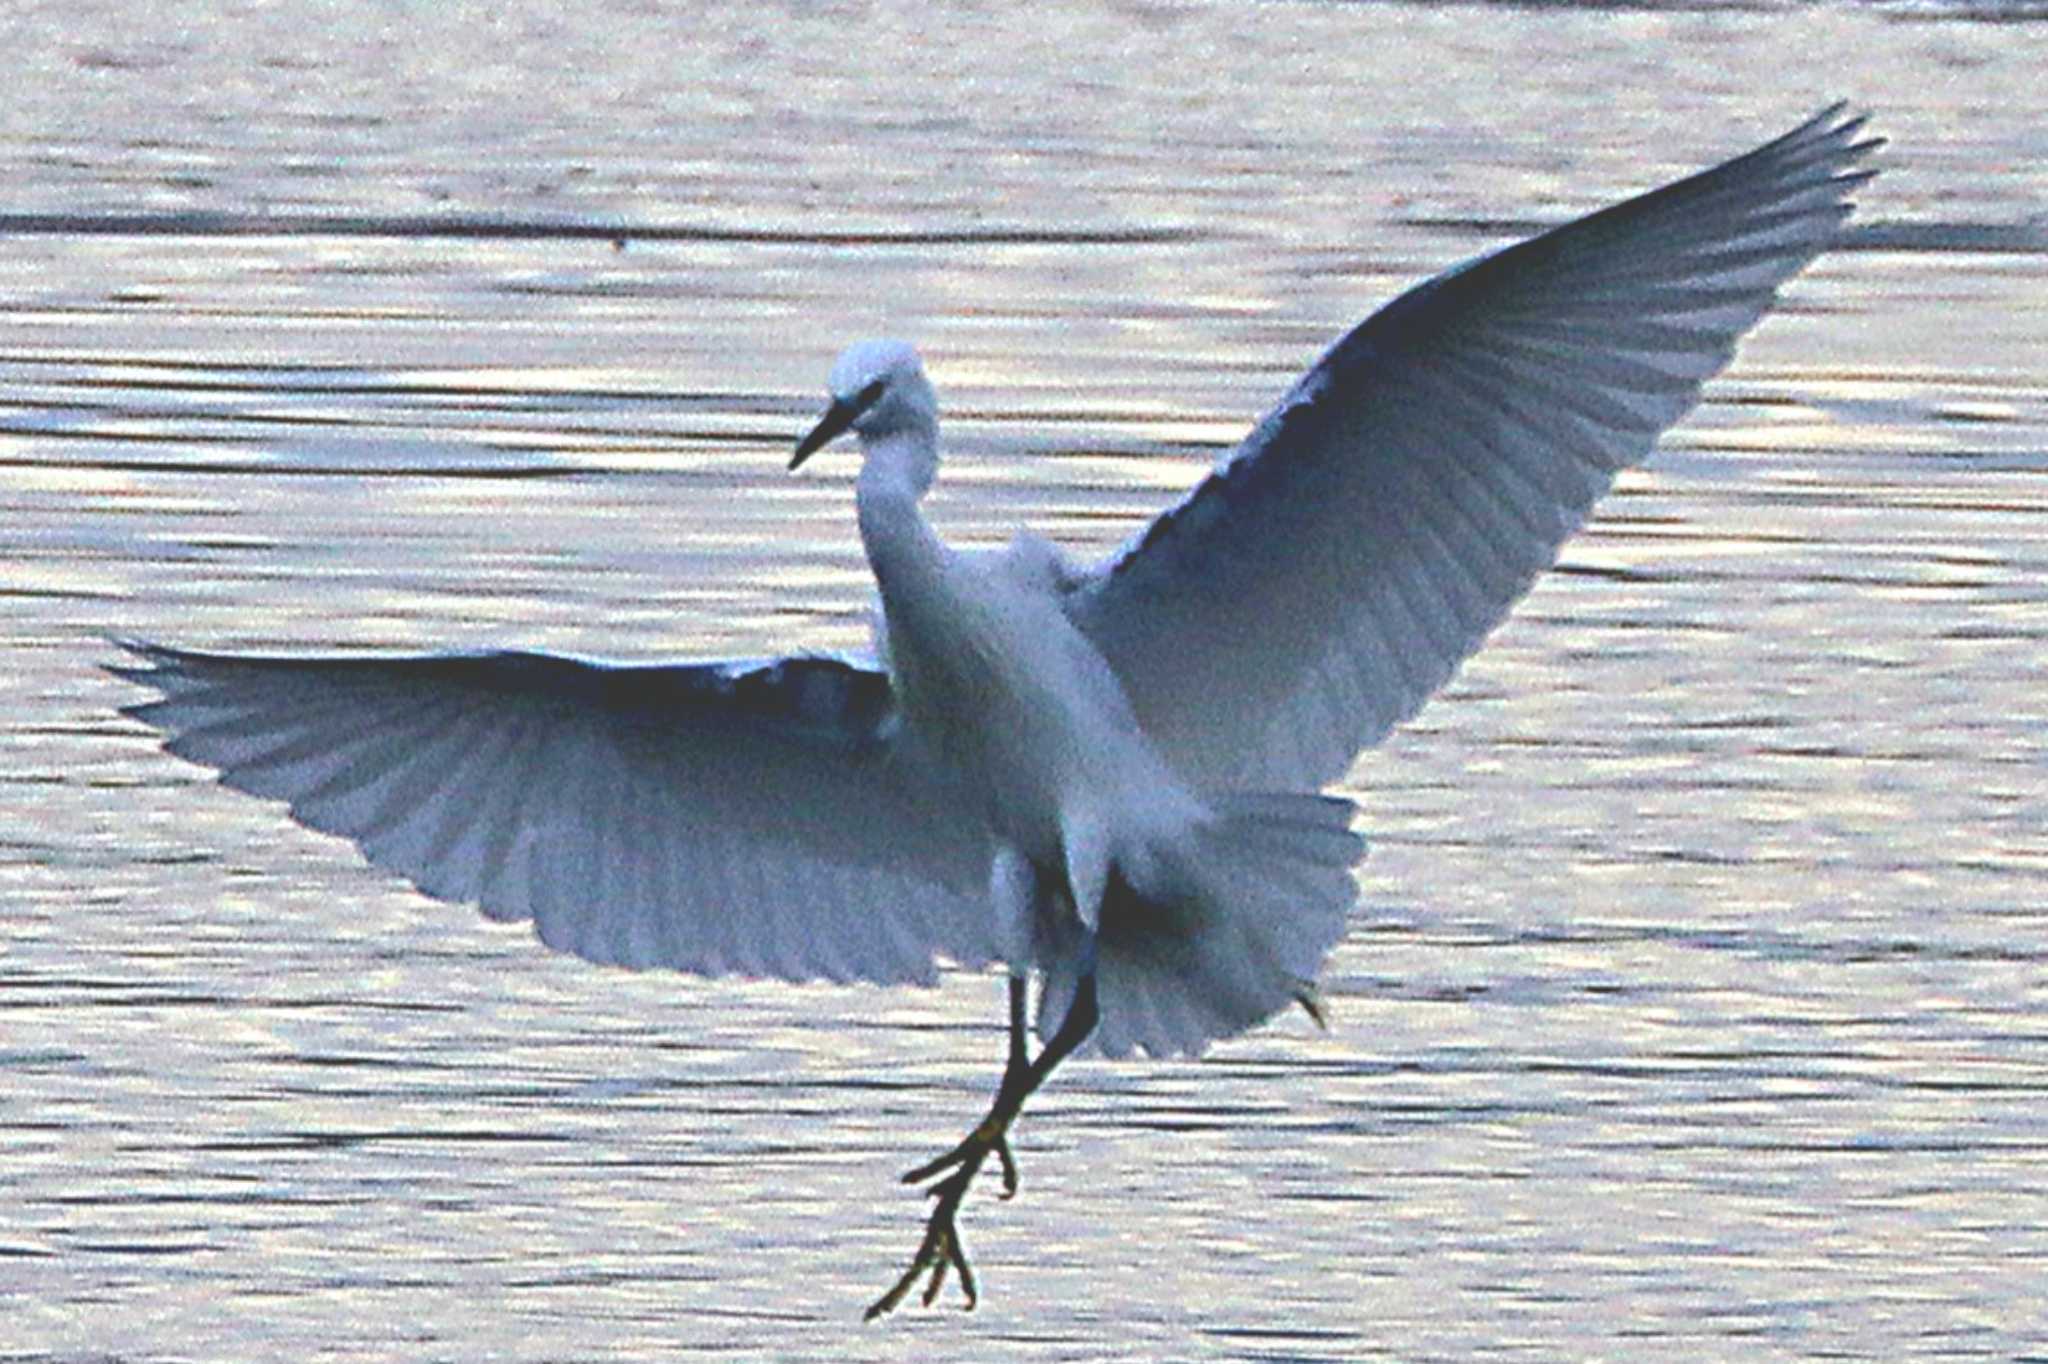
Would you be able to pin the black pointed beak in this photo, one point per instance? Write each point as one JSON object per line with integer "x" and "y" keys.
{"x": 830, "y": 427}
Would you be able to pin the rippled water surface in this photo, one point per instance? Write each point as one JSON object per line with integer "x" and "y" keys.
{"x": 1694, "y": 1007}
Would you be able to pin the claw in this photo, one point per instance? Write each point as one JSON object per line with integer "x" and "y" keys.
{"x": 938, "y": 1279}
{"x": 940, "y": 1252}
{"x": 887, "y": 1302}
{"x": 968, "y": 1290}
{"x": 933, "y": 1167}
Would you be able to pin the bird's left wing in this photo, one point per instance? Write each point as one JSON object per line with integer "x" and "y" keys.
{"x": 1364, "y": 538}
{"x": 751, "y": 819}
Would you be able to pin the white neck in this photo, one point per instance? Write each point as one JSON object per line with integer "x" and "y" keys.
{"x": 895, "y": 473}
{"x": 907, "y": 455}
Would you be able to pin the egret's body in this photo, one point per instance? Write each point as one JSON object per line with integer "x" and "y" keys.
{"x": 1015, "y": 706}
{"x": 1109, "y": 777}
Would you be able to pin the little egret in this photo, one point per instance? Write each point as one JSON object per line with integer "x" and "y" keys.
{"x": 1107, "y": 776}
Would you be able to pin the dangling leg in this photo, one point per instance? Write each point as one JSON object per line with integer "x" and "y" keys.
{"x": 1016, "y": 1081}
{"x": 941, "y": 1249}
{"x": 1018, "y": 895}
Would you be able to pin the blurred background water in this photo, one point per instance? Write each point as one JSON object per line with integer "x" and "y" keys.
{"x": 1694, "y": 1005}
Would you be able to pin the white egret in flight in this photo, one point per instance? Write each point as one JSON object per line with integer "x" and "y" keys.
{"x": 1106, "y": 776}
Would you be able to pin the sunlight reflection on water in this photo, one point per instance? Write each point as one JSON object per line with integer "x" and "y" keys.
{"x": 1694, "y": 1004}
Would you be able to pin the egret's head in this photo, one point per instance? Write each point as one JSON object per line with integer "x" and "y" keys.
{"x": 878, "y": 389}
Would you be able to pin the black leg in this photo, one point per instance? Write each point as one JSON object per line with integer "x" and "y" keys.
{"x": 1014, "y": 1071}
{"x": 941, "y": 1249}
{"x": 1020, "y": 989}
{"x": 1017, "y": 1083}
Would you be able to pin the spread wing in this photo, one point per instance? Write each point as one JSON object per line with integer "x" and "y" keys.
{"x": 1367, "y": 535}
{"x": 715, "y": 818}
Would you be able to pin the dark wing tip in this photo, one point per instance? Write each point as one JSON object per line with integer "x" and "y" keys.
{"x": 154, "y": 659}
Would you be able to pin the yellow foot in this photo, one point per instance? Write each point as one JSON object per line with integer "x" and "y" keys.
{"x": 940, "y": 1251}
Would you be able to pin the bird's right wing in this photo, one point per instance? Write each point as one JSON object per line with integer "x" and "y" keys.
{"x": 1365, "y": 537}
{"x": 715, "y": 818}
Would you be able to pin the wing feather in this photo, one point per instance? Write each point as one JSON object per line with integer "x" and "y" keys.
{"x": 709, "y": 817}
{"x": 1367, "y": 535}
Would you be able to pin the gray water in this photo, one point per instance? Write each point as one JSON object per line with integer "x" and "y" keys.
{"x": 1694, "y": 1006}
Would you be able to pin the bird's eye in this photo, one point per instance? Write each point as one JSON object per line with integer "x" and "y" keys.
{"x": 870, "y": 395}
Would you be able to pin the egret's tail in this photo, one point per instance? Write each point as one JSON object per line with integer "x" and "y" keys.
{"x": 1223, "y": 933}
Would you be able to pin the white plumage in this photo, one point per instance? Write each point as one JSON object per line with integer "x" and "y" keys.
{"x": 1108, "y": 776}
